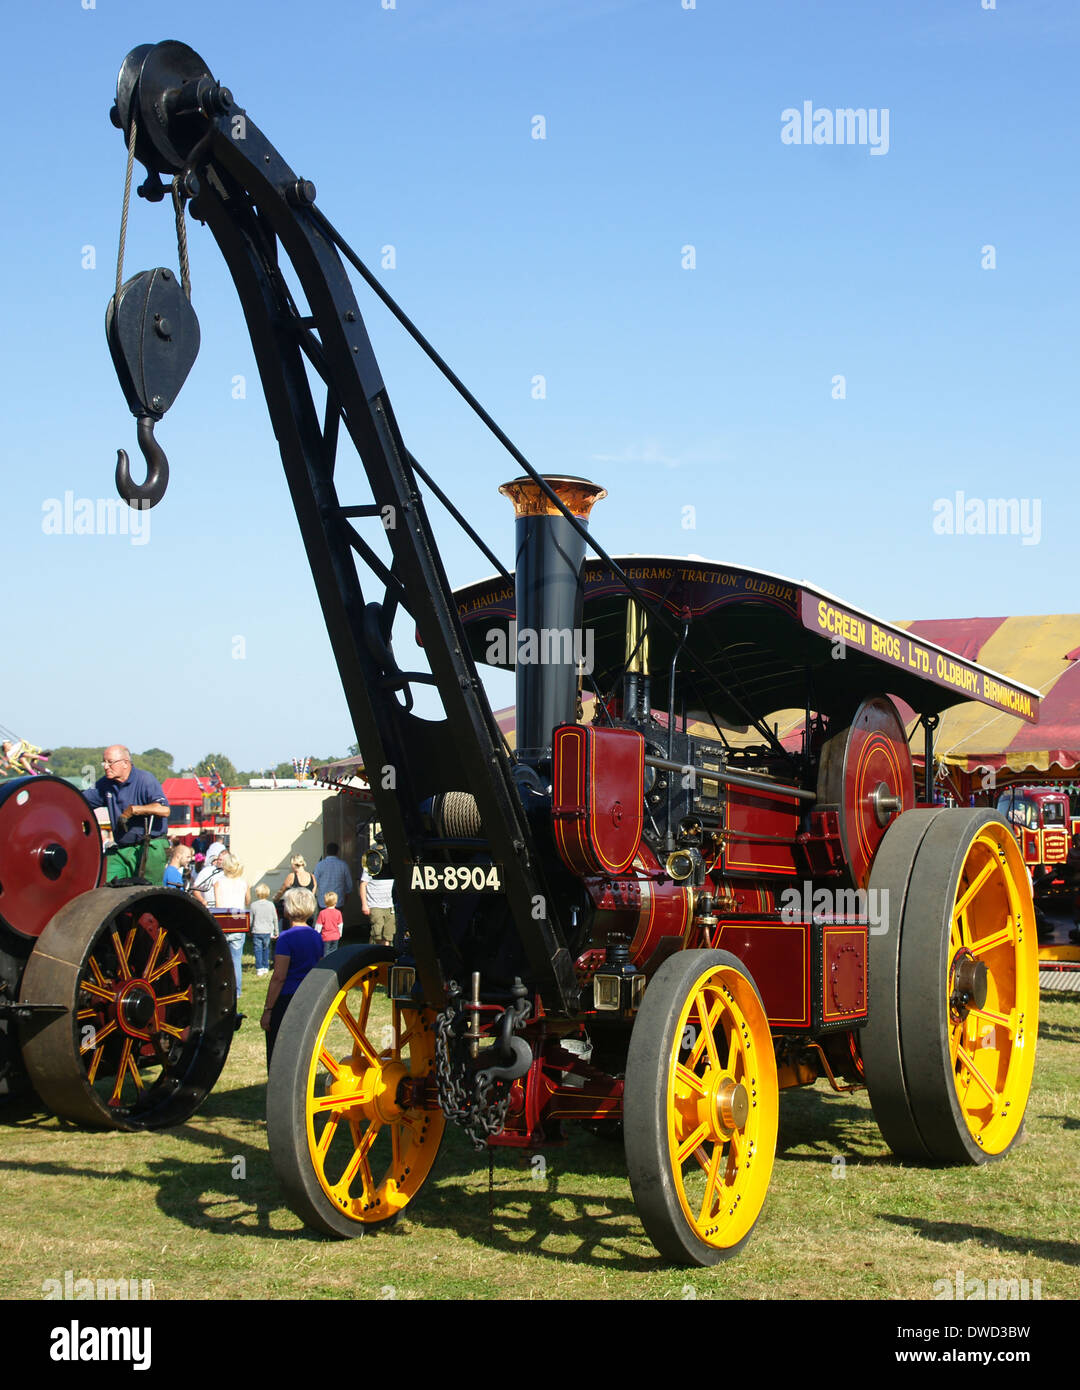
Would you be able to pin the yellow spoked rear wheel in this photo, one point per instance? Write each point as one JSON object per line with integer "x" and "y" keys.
{"x": 353, "y": 1120}
{"x": 984, "y": 1020}
{"x": 954, "y": 1006}
{"x": 700, "y": 1107}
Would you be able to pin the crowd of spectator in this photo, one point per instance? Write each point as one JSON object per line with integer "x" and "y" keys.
{"x": 292, "y": 929}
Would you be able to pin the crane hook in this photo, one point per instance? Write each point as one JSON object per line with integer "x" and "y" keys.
{"x": 149, "y": 493}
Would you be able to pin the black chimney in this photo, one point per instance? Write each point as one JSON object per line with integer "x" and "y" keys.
{"x": 549, "y": 645}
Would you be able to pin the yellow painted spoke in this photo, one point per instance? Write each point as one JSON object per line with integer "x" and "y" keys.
{"x": 121, "y": 956}
{"x": 704, "y": 1040}
{"x": 184, "y": 994}
{"x": 710, "y": 1016}
{"x": 121, "y": 1071}
{"x": 330, "y": 1063}
{"x": 969, "y": 1063}
{"x": 128, "y": 944}
{"x": 685, "y": 1149}
{"x": 991, "y": 943}
{"x": 1006, "y": 1021}
{"x": 356, "y": 1030}
{"x": 699, "y": 1041}
{"x": 359, "y": 1160}
{"x": 172, "y": 1031}
{"x": 98, "y": 976}
{"x": 710, "y": 1184}
{"x": 686, "y": 1080}
{"x": 974, "y": 888}
{"x": 395, "y": 1148}
{"x": 734, "y": 1155}
{"x": 133, "y": 1067}
{"x": 702, "y": 1158}
{"x": 326, "y": 1138}
{"x": 173, "y": 960}
{"x": 91, "y": 1074}
{"x": 732, "y": 1039}
{"x": 155, "y": 950}
{"x": 100, "y": 1035}
{"x": 97, "y": 992}
{"x": 341, "y": 1100}
{"x": 367, "y": 991}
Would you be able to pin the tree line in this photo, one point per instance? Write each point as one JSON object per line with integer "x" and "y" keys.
{"x": 83, "y": 765}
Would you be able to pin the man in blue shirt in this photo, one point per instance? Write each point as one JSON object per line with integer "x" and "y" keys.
{"x": 137, "y": 808}
{"x": 332, "y": 876}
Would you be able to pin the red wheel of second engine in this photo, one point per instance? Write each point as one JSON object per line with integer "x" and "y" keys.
{"x": 866, "y": 773}
{"x": 50, "y": 851}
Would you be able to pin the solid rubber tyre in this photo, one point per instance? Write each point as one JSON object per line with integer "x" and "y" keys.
{"x": 969, "y": 1069}
{"x": 700, "y": 1042}
{"x": 352, "y": 1137}
{"x": 879, "y": 1040}
{"x": 949, "y": 1073}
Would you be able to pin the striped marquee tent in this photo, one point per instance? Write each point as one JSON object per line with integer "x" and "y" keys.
{"x": 1043, "y": 652}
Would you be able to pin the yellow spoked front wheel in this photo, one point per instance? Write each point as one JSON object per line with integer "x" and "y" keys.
{"x": 700, "y": 1107}
{"x": 352, "y": 1115}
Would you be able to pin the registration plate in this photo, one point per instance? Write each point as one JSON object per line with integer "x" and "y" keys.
{"x": 456, "y": 878}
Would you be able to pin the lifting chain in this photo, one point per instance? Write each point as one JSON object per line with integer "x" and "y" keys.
{"x": 477, "y": 1103}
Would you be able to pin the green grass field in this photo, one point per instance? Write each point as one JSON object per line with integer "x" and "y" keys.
{"x": 196, "y": 1209}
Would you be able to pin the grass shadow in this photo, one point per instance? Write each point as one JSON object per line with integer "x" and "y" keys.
{"x": 957, "y": 1232}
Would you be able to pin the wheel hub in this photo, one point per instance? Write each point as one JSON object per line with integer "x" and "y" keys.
{"x": 136, "y": 1007}
{"x": 732, "y": 1104}
{"x": 53, "y": 860}
{"x": 970, "y": 978}
{"x": 374, "y": 1090}
{"x": 885, "y": 803}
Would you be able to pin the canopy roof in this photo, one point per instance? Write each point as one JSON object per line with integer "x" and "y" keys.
{"x": 760, "y": 643}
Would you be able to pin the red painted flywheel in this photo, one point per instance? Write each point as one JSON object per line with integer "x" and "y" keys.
{"x": 50, "y": 851}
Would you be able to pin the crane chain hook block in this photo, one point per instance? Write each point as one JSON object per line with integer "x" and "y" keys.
{"x": 153, "y": 336}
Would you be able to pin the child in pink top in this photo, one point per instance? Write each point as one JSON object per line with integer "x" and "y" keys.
{"x": 328, "y": 923}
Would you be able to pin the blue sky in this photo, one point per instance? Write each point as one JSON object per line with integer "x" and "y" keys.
{"x": 712, "y": 387}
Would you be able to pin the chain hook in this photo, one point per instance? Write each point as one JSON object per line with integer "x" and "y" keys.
{"x": 147, "y": 494}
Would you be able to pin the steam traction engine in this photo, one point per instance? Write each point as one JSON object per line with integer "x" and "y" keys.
{"x": 659, "y": 917}
{"x": 118, "y": 1003}
{"x": 1048, "y": 835}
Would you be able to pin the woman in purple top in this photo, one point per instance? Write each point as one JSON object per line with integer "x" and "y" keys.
{"x": 297, "y": 950}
